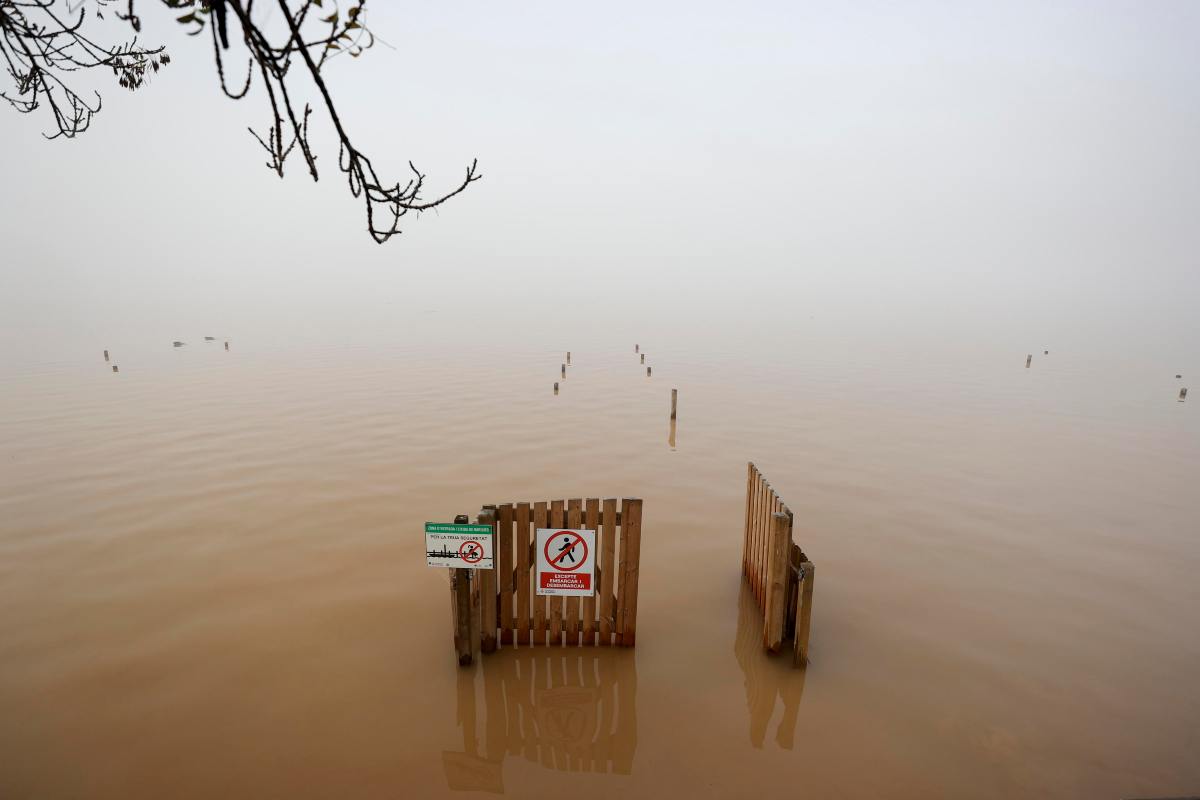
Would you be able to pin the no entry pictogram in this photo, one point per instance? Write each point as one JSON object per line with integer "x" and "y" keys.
{"x": 471, "y": 551}
{"x": 566, "y": 562}
{"x": 566, "y": 555}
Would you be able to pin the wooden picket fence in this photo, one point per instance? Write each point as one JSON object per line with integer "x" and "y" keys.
{"x": 504, "y": 608}
{"x": 779, "y": 573}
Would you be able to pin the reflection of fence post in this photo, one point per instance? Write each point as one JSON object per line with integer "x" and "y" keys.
{"x": 777, "y": 575}
{"x": 804, "y": 612}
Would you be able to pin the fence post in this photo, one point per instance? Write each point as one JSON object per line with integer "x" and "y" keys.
{"x": 488, "y": 614}
{"x": 777, "y": 570}
{"x": 804, "y": 612}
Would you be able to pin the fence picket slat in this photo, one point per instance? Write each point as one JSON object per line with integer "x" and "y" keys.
{"x": 571, "y": 618}
{"x": 504, "y": 574}
{"x": 777, "y": 588}
{"x": 557, "y": 518}
{"x": 485, "y": 580}
{"x": 631, "y": 538}
{"x": 522, "y": 576}
{"x": 804, "y": 614}
{"x": 540, "y": 615}
{"x": 608, "y": 568}
{"x": 592, "y": 522}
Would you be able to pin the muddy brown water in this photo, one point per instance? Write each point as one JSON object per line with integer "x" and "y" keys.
{"x": 212, "y": 581}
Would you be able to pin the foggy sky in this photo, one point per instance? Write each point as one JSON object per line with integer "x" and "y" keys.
{"x": 1008, "y": 169}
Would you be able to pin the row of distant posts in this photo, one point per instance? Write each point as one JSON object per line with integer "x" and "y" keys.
{"x": 562, "y": 572}
{"x": 778, "y": 571}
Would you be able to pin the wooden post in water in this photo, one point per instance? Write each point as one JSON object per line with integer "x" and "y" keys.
{"x": 636, "y": 347}
{"x": 556, "y": 387}
{"x": 106, "y": 355}
{"x": 643, "y": 358}
{"x": 564, "y": 371}
{"x": 674, "y": 402}
{"x": 117, "y": 370}
{"x": 227, "y": 345}
{"x": 1182, "y": 392}
{"x": 648, "y": 371}
{"x": 568, "y": 357}
{"x": 1028, "y": 360}
{"x": 460, "y": 606}
{"x": 804, "y": 612}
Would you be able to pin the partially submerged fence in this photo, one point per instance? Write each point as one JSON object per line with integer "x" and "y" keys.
{"x": 778, "y": 571}
{"x": 500, "y": 606}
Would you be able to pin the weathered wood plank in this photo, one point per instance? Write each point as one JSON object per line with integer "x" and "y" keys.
{"x": 540, "y": 611}
{"x": 592, "y": 522}
{"x": 777, "y": 570}
{"x": 608, "y": 568}
{"x": 485, "y": 579}
{"x": 504, "y": 571}
{"x": 804, "y": 614}
{"x": 557, "y": 519}
{"x": 571, "y": 618}
{"x": 522, "y": 576}
{"x": 631, "y": 532}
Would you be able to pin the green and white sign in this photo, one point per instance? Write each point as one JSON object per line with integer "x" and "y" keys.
{"x": 458, "y": 546}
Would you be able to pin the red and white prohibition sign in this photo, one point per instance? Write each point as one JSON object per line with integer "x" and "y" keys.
{"x": 566, "y": 562}
{"x": 471, "y": 551}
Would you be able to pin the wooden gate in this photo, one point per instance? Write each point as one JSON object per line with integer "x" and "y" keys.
{"x": 502, "y": 607}
{"x": 779, "y": 573}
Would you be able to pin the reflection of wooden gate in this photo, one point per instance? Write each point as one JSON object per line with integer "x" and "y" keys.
{"x": 778, "y": 571}
{"x": 566, "y": 711}
{"x": 504, "y": 608}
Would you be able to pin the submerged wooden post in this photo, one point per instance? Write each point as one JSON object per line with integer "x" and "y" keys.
{"x": 1182, "y": 392}
{"x": 1028, "y": 360}
{"x": 117, "y": 370}
{"x": 777, "y": 577}
{"x": 648, "y": 371}
{"x": 460, "y": 607}
{"x": 674, "y": 401}
{"x": 804, "y": 612}
{"x": 106, "y": 355}
{"x": 568, "y": 357}
{"x": 227, "y": 345}
{"x": 564, "y": 370}
{"x": 556, "y": 387}
{"x": 635, "y": 347}
{"x": 643, "y": 358}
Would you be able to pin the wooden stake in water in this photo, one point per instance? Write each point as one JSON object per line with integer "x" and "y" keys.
{"x": 564, "y": 370}
{"x": 643, "y": 358}
{"x": 1028, "y": 360}
{"x": 648, "y": 371}
{"x": 568, "y": 357}
{"x": 636, "y": 347}
{"x": 674, "y": 401}
{"x": 556, "y": 387}
{"x": 227, "y": 345}
{"x": 117, "y": 370}
{"x": 1182, "y": 392}
{"x": 106, "y": 355}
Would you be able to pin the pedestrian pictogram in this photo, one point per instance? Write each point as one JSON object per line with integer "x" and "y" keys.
{"x": 566, "y": 562}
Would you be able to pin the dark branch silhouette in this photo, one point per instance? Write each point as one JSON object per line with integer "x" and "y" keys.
{"x": 42, "y": 45}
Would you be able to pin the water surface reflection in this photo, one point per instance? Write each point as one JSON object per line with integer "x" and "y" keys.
{"x": 767, "y": 677}
{"x": 566, "y": 710}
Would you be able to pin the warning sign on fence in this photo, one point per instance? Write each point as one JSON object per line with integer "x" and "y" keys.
{"x": 459, "y": 546}
{"x": 566, "y": 562}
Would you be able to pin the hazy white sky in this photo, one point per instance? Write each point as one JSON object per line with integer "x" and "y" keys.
{"x": 1010, "y": 168}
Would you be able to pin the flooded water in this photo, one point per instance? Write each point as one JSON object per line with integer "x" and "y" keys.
{"x": 213, "y": 583}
